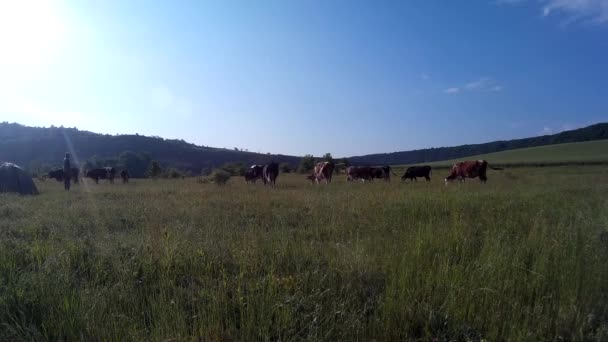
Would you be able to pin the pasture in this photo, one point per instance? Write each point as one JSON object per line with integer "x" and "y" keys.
{"x": 523, "y": 257}
{"x": 571, "y": 153}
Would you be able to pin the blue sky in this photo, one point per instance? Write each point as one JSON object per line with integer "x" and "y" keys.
{"x": 297, "y": 77}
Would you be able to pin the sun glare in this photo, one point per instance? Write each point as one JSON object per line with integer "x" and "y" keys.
{"x": 31, "y": 35}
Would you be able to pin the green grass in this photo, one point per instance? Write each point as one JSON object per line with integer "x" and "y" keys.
{"x": 590, "y": 151}
{"x": 522, "y": 257}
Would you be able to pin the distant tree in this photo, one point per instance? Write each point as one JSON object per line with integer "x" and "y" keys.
{"x": 307, "y": 163}
{"x": 328, "y": 158}
{"x": 154, "y": 170}
{"x": 136, "y": 163}
{"x": 285, "y": 168}
{"x": 171, "y": 173}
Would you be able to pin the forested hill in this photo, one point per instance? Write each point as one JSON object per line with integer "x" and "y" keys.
{"x": 593, "y": 132}
{"x": 38, "y": 148}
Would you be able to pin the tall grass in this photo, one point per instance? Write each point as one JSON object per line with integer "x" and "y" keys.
{"x": 520, "y": 258}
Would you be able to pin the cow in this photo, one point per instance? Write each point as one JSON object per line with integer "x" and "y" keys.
{"x": 382, "y": 172}
{"x": 270, "y": 172}
{"x": 254, "y": 173}
{"x": 124, "y": 174}
{"x": 103, "y": 173}
{"x": 470, "y": 169}
{"x": 322, "y": 171}
{"x": 58, "y": 174}
{"x": 413, "y": 172}
{"x": 363, "y": 173}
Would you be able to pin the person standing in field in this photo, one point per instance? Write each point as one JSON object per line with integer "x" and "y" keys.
{"x": 67, "y": 172}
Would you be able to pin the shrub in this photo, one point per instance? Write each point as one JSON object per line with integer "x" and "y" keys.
{"x": 285, "y": 168}
{"x": 220, "y": 177}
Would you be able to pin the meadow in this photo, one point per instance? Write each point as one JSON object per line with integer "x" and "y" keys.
{"x": 523, "y": 257}
{"x": 587, "y": 152}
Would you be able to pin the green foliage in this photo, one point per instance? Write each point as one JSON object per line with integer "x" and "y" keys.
{"x": 285, "y": 168}
{"x": 137, "y": 163}
{"x": 155, "y": 170}
{"x": 522, "y": 258}
{"x": 220, "y": 177}
{"x": 328, "y": 158}
{"x": 235, "y": 169}
{"x": 307, "y": 163}
{"x": 171, "y": 173}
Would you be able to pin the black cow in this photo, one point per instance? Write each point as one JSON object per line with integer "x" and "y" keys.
{"x": 58, "y": 175}
{"x": 124, "y": 174}
{"x": 253, "y": 173}
{"x": 108, "y": 173}
{"x": 413, "y": 172}
{"x": 382, "y": 172}
{"x": 363, "y": 173}
{"x": 270, "y": 173}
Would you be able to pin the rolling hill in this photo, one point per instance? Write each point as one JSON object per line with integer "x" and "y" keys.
{"x": 582, "y": 152}
{"x": 39, "y": 148}
{"x": 594, "y": 132}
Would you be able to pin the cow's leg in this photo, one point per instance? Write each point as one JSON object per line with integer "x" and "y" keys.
{"x": 428, "y": 179}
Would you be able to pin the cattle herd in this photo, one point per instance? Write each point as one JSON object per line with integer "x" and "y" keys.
{"x": 108, "y": 173}
{"x": 323, "y": 172}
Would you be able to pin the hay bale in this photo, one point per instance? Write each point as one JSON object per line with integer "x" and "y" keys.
{"x": 14, "y": 179}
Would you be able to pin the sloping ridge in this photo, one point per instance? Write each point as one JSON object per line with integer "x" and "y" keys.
{"x": 594, "y": 132}
{"x": 588, "y": 152}
{"x": 23, "y": 145}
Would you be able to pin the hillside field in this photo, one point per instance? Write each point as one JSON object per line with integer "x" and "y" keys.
{"x": 523, "y": 257}
{"x": 589, "y": 151}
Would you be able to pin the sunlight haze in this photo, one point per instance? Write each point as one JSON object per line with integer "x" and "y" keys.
{"x": 298, "y": 77}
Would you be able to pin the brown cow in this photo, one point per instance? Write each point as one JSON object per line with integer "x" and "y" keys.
{"x": 322, "y": 171}
{"x": 470, "y": 169}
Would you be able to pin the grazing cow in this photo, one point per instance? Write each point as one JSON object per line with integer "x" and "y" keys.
{"x": 270, "y": 172}
{"x": 363, "y": 173}
{"x": 104, "y": 173}
{"x": 470, "y": 169}
{"x": 322, "y": 171}
{"x": 413, "y": 172}
{"x": 58, "y": 174}
{"x": 124, "y": 174}
{"x": 253, "y": 173}
{"x": 382, "y": 172}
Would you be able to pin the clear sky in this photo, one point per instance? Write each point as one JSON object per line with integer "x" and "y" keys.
{"x": 296, "y": 77}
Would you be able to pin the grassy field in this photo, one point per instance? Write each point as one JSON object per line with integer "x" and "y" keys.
{"x": 591, "y": 151}
{"x": 523, "y": 257}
